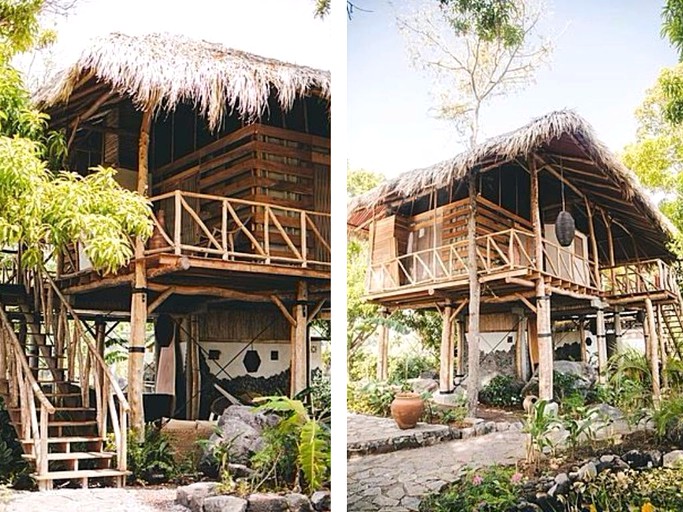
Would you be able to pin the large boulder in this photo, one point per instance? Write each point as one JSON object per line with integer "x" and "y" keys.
{"x": 240, "y": 428}
{"x": 193, "y": 496}
{"x": 585, "y": 373}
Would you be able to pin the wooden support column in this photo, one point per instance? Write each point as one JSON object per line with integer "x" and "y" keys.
{"x": 594, "y": 244}
{"x": 474, "y": 300}
{"x": 602, "y": 342}
{"x": 582, "y": 340}
{"x": 383, "y": 349}
{"x": 521, "y": 360}
{"x": 446, "y": 357}
{"x": 100, "y": 331}
{"x": 299, "y": 359}
{"x": 654, "y": 349}
{"x": 543, "y": 321}
{"x": 618, "y": 328}
{"x": 663, "y": 356}
{"x": 460, "y": 350}
{"x": 138, "y": 309}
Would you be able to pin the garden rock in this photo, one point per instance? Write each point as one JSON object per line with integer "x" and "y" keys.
{"x": 192, "y": 496}
{"x": 641, "y": 460}
{"x": 420, "y": 386}
{"x": 586, "y": 373}
{"x": 298, "y": 503}
{"x": 242, "y": 428}
{"x": 267, "y": 502}
{"x": 225, "y": 504}
{"x": 588, "y": 471}
{"x": 607, "y": 411}
{"x": 321, "y": 500}
{"x": 561, "y": 486}
{"x": 673, "y": 459}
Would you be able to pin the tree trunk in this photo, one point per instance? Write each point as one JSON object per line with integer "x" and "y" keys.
{"x": 474, "y": 301}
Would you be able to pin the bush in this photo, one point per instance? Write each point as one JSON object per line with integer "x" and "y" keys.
{"x": 362, "y": 365}
{"x": 494, "y": 489}
{"x": 13, "y": 468}
{"x": 410, "y": 366}
{"x": 373, "y": 398}
{"x": 152, "y": 460}
{"x": 668, "y": 419}
{"x": 502, "y": 390}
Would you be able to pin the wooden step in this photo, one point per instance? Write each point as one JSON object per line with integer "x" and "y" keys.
{"x": 82, "y": 473}
{"x": 68, "y": 423}
{"x": 66, "y": 440}
{"x": 57, "y": 394}
{"x": 74, "y": 455}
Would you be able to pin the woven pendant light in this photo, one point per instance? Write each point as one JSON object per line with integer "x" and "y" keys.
{"x": 565, "y": 226}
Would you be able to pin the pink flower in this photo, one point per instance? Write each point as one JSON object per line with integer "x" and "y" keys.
{"x": 477, "y": 480}
{"x": 516, "y": 478}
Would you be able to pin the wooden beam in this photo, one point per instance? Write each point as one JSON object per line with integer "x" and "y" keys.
{"x": 474, "y": 299}
{"x": 458, "y": 309}
{"x": 299, "y": 363}
{"x": 138, "y": 311}
{"x": 316, "y": 309}
{"x": 383, "y": 350}
{"x": 594, "y": 245}
{"x": 663, "y": 356}
{"x": 276, "y": 300}
{"x": 602, "y": 344}
{"x": 526, "y": 302}
{"x": 447, "y": 349}
{"x": 159, "y": 300}
{"x": 654, "y": 350}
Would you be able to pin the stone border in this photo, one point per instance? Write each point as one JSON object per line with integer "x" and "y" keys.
{"x": 421, "y": 439}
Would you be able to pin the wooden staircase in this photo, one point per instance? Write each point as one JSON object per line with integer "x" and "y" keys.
{"x": 60, "y": 395}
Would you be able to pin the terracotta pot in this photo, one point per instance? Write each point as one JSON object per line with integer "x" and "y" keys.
{"x": 406, "y": 409}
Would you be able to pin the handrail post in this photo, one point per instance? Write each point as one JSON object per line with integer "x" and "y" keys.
{"x": 177, "y": 224}
{"x": 266, "y": 232}
{"x": 304, "y": 249}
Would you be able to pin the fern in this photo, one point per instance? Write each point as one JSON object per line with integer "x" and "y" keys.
{"x": 314, "y": 454}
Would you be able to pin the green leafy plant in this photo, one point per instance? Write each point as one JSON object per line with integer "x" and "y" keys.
{"x": 491, "y": 489}
{"x": 502, "y": 390}
{"x": 297, "y": 435}
{"x": 668, "y": 419}
{"x": 373, "y": 398}
{"x": 13, "y": 468}
{"x": 581, "y": 426}
{"x": 410, "y": 366}
{"x": 538, "y": 426}
{"x": 152, "y": 460}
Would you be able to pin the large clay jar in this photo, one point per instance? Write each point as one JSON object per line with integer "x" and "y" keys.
{"x": 406, "y": 409}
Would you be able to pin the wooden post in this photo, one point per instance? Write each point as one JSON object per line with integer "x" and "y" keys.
{"x": 520, "y": 347}
{"x": 447, "y": 345}
{"x": 383, "y": 349}
{"x": 594, "y": 244}
{"x": 543, "y": 321}
{"x": 299, "y": 367}
{"x": 138, "y": 309}
{"x": 582, "y": 340}
{"x": 663, "y": 356}
{"x": 602, "y": 342}
{"x": 474, "y": 300}
{"x": 654, "y": 349}
{"x": 196, "y": 375}
{"x": 618, "y": 328}
{"x": 526, "y": 367}
{"x": 460, "y": 351}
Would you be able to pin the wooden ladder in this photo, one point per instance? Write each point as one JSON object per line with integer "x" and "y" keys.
{"x": 59, "y": 393}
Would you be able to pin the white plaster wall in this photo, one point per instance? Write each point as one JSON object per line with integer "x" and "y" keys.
{"x": 268, "y": 368}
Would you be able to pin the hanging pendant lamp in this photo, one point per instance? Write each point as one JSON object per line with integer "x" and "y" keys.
{"x": 565, "y": 226}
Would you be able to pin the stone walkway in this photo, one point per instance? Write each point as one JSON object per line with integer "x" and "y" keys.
{"x": 93, "y": 500}
{"x": 397, "y": 481}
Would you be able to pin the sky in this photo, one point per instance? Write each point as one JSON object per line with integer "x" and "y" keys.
{"x": 607, "y": 54}
{"x": 280, "y": 29}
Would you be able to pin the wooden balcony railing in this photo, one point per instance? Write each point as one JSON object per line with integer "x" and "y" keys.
{"x": 643, "y": 277}
{"x": 499, "y": 254}
{"x": 243, "y": 230}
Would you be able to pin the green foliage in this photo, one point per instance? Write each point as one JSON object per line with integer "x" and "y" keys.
{"x": 672, "y": 24}
{"x": 362, "y": 317}
{"x": 492, "y": 489}
{"x": 13, "y": 468}
{"x": 668, "y": 419}
{"x": 502, "y": 390}
{"x": 539, "y": 425}
{"x": 320, "y": 393}
{"x": 322, "y": 8}
{"x": 373, "y": 398}
{"x": 630, "y": 383}
{"x": 152, "y": 459}
{"x": 19, "y": 29}
{"x": 491, "y": 20}
{"x": 359, "y": 181}
{"x": 425, "y": 323}
{"x": 410, "y": 366}
{"x": 298, "y": 443}
{"x": 580, "y": 426}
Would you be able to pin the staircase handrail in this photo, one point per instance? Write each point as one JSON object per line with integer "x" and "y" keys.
{"x": 21, "y": 356}
{"x": 91, "y": 348}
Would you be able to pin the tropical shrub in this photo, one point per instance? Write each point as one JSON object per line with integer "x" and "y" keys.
{"x": 502, "y": 390}
{"x": 539, "y": 425}
{"x": 668, "y": 419}
{"x": 297, "y": 444}
{"x": 152, "y": 460}
{"x": 13, "y": 468}
{"x": 373, "y": 398}
{"x": 410, "y": 366}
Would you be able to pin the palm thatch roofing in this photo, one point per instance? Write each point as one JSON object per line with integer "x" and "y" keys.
{"x": 158, "y": 71}
{"x": 560, "y": 134}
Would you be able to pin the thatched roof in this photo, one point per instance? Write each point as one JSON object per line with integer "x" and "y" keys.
{"x": 560, "y": 132}
{"x": 160, "y": 70}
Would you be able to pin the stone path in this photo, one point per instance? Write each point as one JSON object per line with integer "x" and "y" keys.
{"x": 396, "y": 482}
{"x": 93, "y": 500}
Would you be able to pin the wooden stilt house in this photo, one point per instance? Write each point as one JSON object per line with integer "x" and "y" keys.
{"x": 477, "y": 237}
{"x": 233, "y": 151}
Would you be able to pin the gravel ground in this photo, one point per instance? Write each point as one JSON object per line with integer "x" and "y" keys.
{"x": 93, "y": 500}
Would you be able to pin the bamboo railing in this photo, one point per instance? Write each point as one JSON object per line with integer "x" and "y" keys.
{"x": 87, "y": 367}
{"x": 23, "y": 392}
{"x": 641, "y": 277}
{"x": 247, "y": 231}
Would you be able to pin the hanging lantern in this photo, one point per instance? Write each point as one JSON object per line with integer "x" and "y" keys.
{"x": 565, "y": 228}
{"x": 564, "y": 225}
